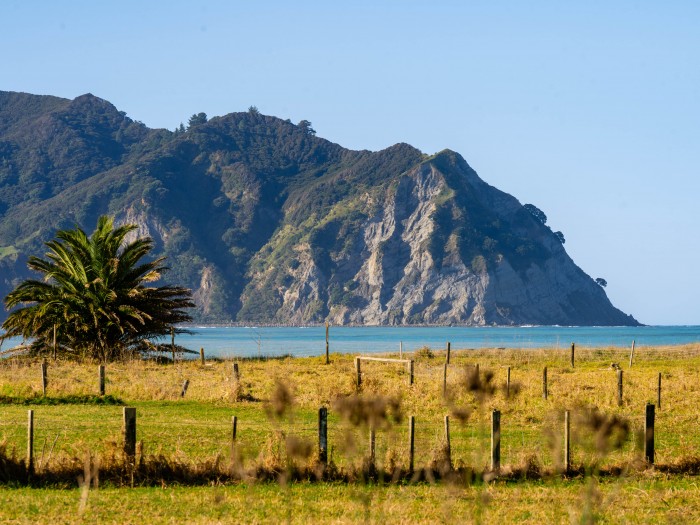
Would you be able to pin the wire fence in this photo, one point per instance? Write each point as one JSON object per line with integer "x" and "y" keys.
{"x": 201, "y": 436}
{"x": 531, "y": 426}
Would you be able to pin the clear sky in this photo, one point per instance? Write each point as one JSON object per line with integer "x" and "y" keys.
{"x": 589, "y": 110}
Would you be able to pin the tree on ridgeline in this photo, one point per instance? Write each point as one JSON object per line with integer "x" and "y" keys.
{"x": 197, "y": 120}
{"x": 96, "y": 295}
{"x": 536, "y": 213}
{"x": 305, "y": 125}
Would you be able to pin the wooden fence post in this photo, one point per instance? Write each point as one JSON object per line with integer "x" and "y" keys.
{"x": 172, "y": 342}
{"x": 495, "y": 440}
{"x": 129, "y": 432}
{"x": 448, "y": 445}
{"x": 372, "y": 440}
{"x": 44, "y": 377}
{"x": 649, "y": 434}
{"x": 444, "y": 381}
{"x": 411, "y": 443}
{"x": 234, "y": 430}
{"x": 449, "y": 348}
{"x": 619, "y": 388}
{"x": 236, "y": 373}
{"x": 323, "y": 435}
{"x": 101, "y": 378}
{"x": 544, "y": 383}
{"x": 508, "y": 383}
{"x": 185, "y": 385}
{"x": 358, "y": 372}
{"x": 201, "y": 356}
{"x": 400, "y": 349}
{"x": 54, "y": 343}
{"x": 327, "y": 344}
{"x": 30, "y": 442}
{"x": 632, "y": 353}
{"x": 573, "y": 346}
{"x": 410, "y": 372}
{"x": 567, "y": 441}
{"x": 658, "y": 393}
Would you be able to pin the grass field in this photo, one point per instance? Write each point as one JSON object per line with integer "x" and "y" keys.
{"x": 628, "y": 501}
{"x": 278, "y": 399}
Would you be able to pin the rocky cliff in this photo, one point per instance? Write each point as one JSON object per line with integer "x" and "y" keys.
{"x": 268, "y": 223}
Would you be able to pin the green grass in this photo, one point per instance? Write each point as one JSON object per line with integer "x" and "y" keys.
{"x": 199, "y": 425}
{"x": 197, "y": 429}
{"x": 646, "y": 501}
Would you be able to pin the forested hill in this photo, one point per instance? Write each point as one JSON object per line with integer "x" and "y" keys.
{"x": 268, "y": 223}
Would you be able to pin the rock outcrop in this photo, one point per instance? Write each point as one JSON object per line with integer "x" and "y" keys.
{"x": 390, "y": 275}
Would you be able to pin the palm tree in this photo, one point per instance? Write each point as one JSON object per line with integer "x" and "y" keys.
{"x": 96, "y": 295}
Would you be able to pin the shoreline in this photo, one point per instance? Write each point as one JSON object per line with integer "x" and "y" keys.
{"x": 452, "y": 325}
{"x": 244, "y": 340}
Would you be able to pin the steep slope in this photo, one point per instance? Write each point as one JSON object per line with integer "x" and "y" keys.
{"x": 268, "y": 223}
{"x": 434, "y": 244}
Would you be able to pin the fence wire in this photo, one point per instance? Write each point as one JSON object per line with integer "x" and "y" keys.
{"x": 195, "y": 432}
{"x": 198, "y": 437}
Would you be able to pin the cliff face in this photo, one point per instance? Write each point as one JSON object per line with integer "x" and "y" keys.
{"x": 268, "y": 223}
{"x": 404, "y": 263}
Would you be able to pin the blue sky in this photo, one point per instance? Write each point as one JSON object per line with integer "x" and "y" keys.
{"x": 589, "y": 110}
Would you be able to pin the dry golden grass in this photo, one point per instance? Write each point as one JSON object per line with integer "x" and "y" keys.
{"x": 187, "y": 441}
{"x": 198, "y": 426}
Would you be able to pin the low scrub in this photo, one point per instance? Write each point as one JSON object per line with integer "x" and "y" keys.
{"x": 75, "y": 399}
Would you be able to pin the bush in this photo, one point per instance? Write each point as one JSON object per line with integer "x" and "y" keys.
{"x": 424, "y": 352}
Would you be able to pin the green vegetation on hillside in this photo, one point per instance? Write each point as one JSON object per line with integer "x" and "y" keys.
{"x": 7, "y": 251}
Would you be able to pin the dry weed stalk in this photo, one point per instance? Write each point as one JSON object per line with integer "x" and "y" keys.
{"x": 89, "y": 477}
{"x": 600, "y": 432}
{"x": 281, "y": 400}
{"x": 378, "y": 412}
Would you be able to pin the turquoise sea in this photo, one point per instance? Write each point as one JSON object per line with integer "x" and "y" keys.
{"x": 307, "y": 341}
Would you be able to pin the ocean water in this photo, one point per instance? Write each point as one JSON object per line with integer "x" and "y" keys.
{"x": 308, "y": 341}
